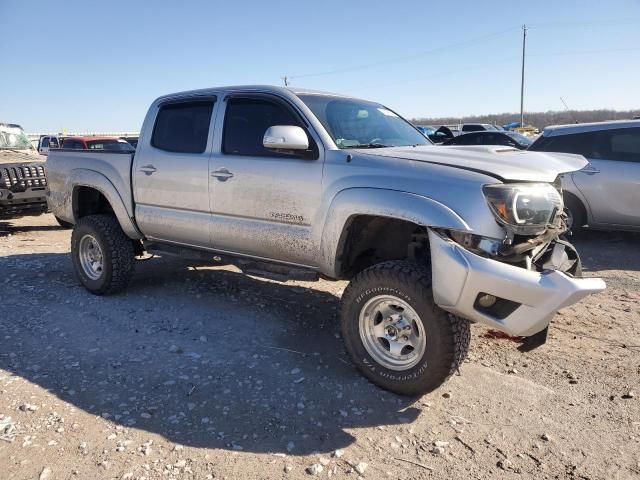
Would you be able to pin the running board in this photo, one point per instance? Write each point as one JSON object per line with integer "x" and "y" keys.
{"x": 275, "y": 271}
{"x": 256, "y": 268}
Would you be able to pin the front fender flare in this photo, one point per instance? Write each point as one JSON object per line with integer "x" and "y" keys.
{"x": 379, "y": 202}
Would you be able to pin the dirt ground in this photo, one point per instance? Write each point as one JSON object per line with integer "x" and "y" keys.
{"x": 203, "y": 373}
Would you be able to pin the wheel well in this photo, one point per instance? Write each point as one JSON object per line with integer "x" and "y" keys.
{"x": 572, "y": 201}
{"x": 89, "y": 201}
{"x": 367, "y": 240}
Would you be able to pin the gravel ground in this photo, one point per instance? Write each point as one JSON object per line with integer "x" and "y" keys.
{"x": 200, "y": 372}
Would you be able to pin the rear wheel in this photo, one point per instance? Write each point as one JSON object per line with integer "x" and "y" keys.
{"x": 103, "y": 256}
{"x": 395, "y": 333}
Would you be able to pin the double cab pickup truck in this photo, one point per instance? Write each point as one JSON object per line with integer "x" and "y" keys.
{"x": 23, "y": 183}
{"x": 294, "y": 184}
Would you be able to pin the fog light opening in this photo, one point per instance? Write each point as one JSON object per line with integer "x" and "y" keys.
{"x": 486, "y": 301}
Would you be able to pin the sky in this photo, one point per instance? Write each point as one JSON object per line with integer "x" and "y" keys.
{"x": 96, "y": 66}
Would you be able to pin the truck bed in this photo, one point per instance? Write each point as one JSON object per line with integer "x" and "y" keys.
{"x": 115, "y": 166}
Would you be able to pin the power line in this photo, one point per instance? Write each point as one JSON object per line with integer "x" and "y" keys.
{"x": 595, "y": 23}
{"x": 408, "y": 58}
{"x": 524, "y": 44}
{"x": 470, "y": 42}
{"x": 484, "y": 66}
{"x": 584, "y": 52}
{"x": 488, "y": 66}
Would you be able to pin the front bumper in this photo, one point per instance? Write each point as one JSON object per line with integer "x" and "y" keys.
{"x": 459, "y": 276}
{"x": 15, "y": 204}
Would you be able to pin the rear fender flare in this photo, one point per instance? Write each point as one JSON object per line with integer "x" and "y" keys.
{"x": 89, "y": 178}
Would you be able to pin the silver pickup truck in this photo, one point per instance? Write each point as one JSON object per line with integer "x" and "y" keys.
{"x": 293, "y": 184}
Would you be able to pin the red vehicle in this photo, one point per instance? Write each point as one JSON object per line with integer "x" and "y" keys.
{"x": 97, "y": 143}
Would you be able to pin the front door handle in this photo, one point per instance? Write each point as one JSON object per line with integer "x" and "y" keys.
{"x": 223, "y": 174}
{"x": 148, "y": 169}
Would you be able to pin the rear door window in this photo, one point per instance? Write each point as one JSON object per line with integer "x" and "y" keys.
{"x": 183, "y": 127}
{"x": 622, "y": 144}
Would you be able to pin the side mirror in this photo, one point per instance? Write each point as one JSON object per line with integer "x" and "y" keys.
{"x": 285, "y": 137}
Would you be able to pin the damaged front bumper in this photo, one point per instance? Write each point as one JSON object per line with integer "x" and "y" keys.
{"x": 526, "y": 300}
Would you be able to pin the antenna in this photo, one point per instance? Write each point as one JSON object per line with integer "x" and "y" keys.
{"x": 285, "y": 79}
{"x": 567, "y": 109}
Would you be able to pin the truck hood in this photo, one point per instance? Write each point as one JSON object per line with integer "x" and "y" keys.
{"x": 504, "y": 163}
{"x": 19, "y": 157}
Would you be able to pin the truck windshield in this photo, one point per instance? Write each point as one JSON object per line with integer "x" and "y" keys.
{"x": 359, "y": 124}
{"x": 12, "y": 137}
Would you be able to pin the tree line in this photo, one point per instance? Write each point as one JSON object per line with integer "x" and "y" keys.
{"x": 537, "y": 119}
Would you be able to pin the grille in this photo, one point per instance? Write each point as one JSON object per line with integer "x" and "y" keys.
{"x": 22, "y": 177}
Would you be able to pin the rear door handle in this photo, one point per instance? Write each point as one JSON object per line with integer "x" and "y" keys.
{"x": 223, "y": 174}
{"x": 148, "y": 169}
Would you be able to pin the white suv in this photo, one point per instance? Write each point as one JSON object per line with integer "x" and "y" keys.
{"x": 606, "y": 193}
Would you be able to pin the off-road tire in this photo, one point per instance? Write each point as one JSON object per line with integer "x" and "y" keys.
{"x": 117, "y": 249}
{"x": 448, "y": 336}
{"x": 63, "y": 224}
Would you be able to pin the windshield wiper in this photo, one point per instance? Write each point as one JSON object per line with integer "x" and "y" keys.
{"x": 368, "y": 145}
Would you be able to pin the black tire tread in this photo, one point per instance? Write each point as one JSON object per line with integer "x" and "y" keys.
{"x": 119, "y": 249}
{"x": 412, "y": 275}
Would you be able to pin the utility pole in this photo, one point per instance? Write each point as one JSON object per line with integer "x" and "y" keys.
{"x": 285, "y": 79}
{"x": 524, "y": 44}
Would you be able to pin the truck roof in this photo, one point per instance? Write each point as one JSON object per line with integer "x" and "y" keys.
{"x": 555, "y": 130}
{"x": 253, "y": 88}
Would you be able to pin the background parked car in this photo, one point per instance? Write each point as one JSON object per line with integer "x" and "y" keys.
{"x": 97, "y": 143}
{"x": 133, "y": 141}
{"x": 606, "y": 193}
{"x": 479, "y": 127}
{"x": 46, "y": 142}
{"x": 509, "y": 139}
{"x": 442, "y": 134}
{"x": 22, "y": 175}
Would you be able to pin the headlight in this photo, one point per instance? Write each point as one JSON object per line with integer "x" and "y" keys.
{"x": 526, "y": 208}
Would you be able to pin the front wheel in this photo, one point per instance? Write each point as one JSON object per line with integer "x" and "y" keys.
{"x": 103, "y": 256}
{"x": 575, "y": 214}
{"x": 395, "y": 333}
